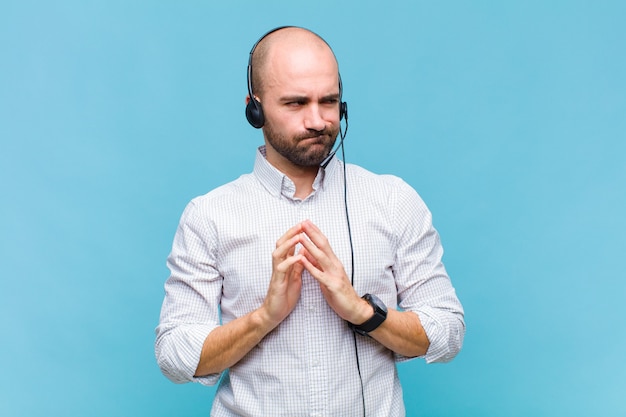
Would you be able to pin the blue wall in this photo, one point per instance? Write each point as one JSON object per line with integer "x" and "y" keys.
{"x": 509, "y": 118}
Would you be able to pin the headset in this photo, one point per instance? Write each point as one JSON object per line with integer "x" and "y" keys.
{"x": 255, "y": 116}
{"x": 254, "y": 110}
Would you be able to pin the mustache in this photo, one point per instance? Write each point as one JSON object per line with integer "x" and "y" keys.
{"x": 314, "y": 134}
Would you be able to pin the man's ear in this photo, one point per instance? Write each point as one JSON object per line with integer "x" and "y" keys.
{"x": 248, "y": 99}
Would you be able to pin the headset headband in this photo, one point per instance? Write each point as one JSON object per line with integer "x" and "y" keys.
{"x": 254, "y": 110}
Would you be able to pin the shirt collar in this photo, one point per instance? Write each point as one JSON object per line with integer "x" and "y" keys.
{"x": 278, "y": 184}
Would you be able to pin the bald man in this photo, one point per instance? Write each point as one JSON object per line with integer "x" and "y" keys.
{"x": 299, "y": 286}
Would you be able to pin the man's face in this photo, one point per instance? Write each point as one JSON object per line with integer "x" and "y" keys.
{"x": 301, "y": 105}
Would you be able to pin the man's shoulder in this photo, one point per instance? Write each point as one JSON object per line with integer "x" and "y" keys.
{"x": 237, "y": 189}
{"x": 358, "y": 173}
{"x": 386, "y": 189}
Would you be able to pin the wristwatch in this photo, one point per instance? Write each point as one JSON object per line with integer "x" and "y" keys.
{"x": 380, "y": 314}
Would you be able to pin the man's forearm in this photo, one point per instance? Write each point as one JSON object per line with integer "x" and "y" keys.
{"x": 402, "y": 332}
{"x": 227, "y": 344}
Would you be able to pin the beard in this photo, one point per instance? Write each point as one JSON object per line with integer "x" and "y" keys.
{"x": 317, "y": 147}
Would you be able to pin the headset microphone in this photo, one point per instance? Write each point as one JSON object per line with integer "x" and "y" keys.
{"x": 343, "y": 112}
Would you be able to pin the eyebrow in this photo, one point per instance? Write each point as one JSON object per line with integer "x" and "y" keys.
{"x": 306, "y": 99}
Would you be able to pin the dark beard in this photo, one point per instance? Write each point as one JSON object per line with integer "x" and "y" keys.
{"x": 298, "y": 154}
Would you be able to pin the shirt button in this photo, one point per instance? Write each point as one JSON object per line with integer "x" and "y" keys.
{"x": 316, "y": 363}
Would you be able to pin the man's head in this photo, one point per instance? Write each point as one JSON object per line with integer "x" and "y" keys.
{"x": 295, "y": 77}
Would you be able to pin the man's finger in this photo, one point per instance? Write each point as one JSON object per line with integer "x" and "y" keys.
{"x": 293, "y": 231}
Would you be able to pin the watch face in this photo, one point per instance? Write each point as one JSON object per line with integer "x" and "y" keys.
{"x": 379, "y": 306}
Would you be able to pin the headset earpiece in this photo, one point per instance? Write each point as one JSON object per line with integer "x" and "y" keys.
{"x": 254, "y": 113}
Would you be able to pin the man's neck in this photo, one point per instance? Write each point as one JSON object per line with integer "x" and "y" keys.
{"x": 303, "y": 182}
{"x": 302, "y": 177}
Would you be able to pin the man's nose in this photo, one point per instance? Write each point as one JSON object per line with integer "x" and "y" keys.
{"x": 313, "y": 118}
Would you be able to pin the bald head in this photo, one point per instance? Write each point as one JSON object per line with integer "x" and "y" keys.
{"x": 279, "y": 47}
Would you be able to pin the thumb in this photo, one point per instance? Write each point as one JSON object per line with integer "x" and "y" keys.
{"x": 297, "y": 269}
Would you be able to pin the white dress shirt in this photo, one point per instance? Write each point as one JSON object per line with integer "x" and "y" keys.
{"x": 221, "y": 265}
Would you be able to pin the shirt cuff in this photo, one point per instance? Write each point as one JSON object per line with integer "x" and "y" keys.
{"x": 180, "y": 351}
{"x": 437, "y": 330}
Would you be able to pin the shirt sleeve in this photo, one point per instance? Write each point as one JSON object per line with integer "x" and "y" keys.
{"x": 190, "y": 310}
{"x": 421, "y": 278}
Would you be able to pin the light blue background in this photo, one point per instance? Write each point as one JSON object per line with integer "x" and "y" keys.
{"x": 507, "y": 117}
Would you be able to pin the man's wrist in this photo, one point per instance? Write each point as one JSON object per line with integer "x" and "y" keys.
{"x": 365, "y": 312}
{"x": 376, "y": 319}
{"x": 262, "y": 321}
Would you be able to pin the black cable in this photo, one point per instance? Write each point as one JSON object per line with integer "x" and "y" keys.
{"x": 345, "y": 200}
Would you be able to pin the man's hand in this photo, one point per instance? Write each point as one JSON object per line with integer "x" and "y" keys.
{"x": 227, "y": 344}
{"x": 402, "y": 332}
{"x": 319, "y": 259}
{"x": 286, "y": 282}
